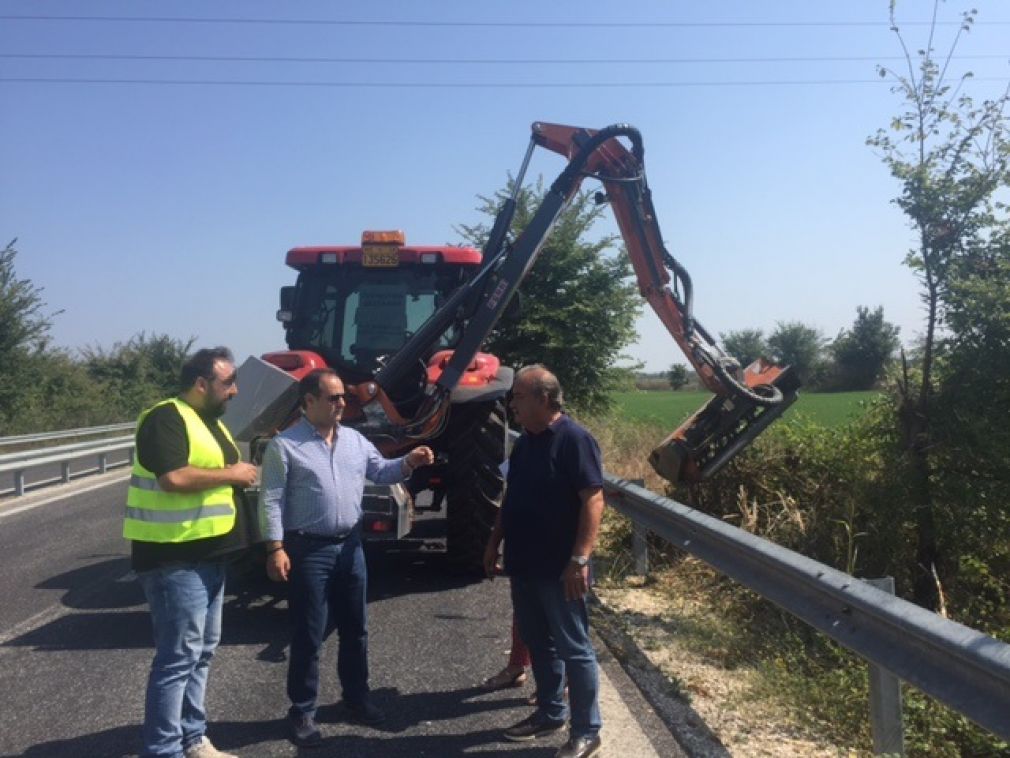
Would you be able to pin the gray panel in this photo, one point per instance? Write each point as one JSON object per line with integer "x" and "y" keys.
{"x": 266, "y": 395}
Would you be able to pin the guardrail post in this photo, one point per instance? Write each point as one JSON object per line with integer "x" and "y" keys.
{"x": 885, "y": 698}
{"x": 19, "y": 483}
{"x": 640, "y": 541}
{"x": 103, "y": 463}
{"x": 65, "y": 472}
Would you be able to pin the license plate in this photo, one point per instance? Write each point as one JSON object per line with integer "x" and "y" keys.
{"x": 380, "y": 256}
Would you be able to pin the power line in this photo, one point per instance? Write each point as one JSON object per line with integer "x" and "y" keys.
{"x": 467, "y": 61}
{"x": 459, "y": 85}
{"x": 489, "y": 24}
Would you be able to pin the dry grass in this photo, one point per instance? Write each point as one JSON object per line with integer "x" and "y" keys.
{"x": 674, "y": 622}
{"x": 770, "y": 518}
{"x": 625, "y": 446}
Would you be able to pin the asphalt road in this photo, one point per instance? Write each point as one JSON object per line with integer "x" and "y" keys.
{"x": 75, "y": 650}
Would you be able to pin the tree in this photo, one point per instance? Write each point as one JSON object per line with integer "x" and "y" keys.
{"x": 798, "y": 345}
{"x": 578, "y": 305}
{"x": 59, "y": 394}
{"x": 970, "y": 433}
{"x": 24, "y": 329}
{"x": 861, "y": 353}
{"x": 950, "y": 156}
{"x": 677, "y": 375}
{"x": 140, "y": 372}
{"x": 746, "y": 345}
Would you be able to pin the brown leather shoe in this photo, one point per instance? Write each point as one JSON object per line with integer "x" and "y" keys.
{"x": 503, "y": 680}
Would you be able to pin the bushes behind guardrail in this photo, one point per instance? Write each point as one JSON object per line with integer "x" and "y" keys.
{"x": 839, "y": 496}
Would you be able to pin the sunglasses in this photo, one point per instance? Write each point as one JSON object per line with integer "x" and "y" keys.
{"x": 340, "y": 397}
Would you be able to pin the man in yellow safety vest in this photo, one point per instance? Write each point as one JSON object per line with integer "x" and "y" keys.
{"x": 184, "y": 517}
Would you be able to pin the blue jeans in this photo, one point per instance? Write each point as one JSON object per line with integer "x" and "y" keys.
{"x": 185, "y": 601}
{"x": 326, "y": 591}
{"x": 556, "y": 631}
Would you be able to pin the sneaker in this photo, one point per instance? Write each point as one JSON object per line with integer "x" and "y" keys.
{"x": 204, "y": 749}
{"x": 365, "y": 713}
{"x": 303, "y": 730}
{"x": 580, "y": 747}
{"x": 532, "y": 727}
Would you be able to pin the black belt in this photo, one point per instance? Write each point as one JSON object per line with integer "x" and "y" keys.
{"x": 329, "y": 539}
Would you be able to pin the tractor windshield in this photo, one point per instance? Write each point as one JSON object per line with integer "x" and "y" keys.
{"x": 354, "y": 315}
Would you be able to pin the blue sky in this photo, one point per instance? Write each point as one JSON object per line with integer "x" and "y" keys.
{"x": 168, "y": 208}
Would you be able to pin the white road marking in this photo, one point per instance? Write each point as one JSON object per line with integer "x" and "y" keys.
{"x": 44, "y": 616}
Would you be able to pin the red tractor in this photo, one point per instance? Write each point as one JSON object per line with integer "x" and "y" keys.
{"x": 355, "y": 307}
{"x": 403, "y": 326}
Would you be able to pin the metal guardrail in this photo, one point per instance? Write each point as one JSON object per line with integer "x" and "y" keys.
{"x": 90, "y": 431}
{"x": 28, "y": 456}
{"x": 962, "y": 667}
{"x": 21, "y": 462}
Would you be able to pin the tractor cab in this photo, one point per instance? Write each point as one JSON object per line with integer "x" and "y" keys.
{"x": 354, "y": 306}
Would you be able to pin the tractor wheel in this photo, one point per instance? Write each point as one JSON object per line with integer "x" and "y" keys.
{"x": 475, "y": 441}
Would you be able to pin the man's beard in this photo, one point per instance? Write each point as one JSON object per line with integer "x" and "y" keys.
{"x": 215, "y": 409}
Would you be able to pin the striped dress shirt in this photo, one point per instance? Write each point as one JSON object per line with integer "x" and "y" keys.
{"x": 308, "y": 485}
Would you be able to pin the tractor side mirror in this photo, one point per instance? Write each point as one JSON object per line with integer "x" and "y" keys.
{"x": 286, "y": 313}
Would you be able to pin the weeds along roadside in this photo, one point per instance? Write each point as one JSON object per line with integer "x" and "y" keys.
{"x": 835, "y": 495}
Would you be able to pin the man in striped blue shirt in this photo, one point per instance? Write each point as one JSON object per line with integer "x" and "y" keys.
{"x": 313, "y": 479}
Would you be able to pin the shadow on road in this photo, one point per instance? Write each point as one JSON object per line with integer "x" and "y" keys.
{"x": 425, "y": 710}
{"x": 95, "y": 586}
{"x": 115, "y": 616}
{"x": 404, "y": 712}
{"x": 122, "y": 630}
{"x": 407, "y": 569}
{"x": 109, "y": 743}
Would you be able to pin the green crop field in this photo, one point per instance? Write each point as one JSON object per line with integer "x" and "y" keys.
{"x": 669, "y": 408}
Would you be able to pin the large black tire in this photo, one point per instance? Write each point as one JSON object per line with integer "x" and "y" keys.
{"x": 475, "y": 441}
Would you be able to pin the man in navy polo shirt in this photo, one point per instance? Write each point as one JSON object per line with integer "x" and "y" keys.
{"x": 549, "y": 522}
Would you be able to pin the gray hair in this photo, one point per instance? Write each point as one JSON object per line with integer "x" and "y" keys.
{"x": 544, "y": 383}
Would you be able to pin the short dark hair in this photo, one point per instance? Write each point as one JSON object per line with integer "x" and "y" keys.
{"x": 309, "y": 384}
{"x": 200, "y": 365}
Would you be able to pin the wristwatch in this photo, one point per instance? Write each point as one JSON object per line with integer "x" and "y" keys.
{"x": 580, "y": 560}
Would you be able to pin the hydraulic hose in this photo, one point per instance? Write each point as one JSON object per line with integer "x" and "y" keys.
{"x": 564, "y": 181}
{"x": 772, "y": 394}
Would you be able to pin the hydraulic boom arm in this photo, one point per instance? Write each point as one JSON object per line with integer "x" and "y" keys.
{"x": 745, "y": 401}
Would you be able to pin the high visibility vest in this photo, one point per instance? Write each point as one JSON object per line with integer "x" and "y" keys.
{"x": 154, "y": 515}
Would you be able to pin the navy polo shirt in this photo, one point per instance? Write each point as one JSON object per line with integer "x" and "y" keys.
{"x": 540, "y": 515}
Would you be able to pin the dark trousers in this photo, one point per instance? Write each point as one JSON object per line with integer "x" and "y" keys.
{"x": 326, "y": 591}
